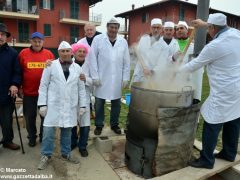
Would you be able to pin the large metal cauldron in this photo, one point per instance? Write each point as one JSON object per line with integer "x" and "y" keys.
{"x": 144, "y": 125}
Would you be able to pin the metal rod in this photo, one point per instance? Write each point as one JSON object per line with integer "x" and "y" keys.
{"x": 201, "y": 33}
{"x": 18, "y": 126}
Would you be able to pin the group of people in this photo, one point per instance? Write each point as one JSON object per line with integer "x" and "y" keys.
{"x": 60, "y": 89}
{"x": 222, "y": 61}
{"x": 100, "y": 64}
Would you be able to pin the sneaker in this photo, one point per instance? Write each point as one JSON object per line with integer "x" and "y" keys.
{"x": 43, "y": 162}
{"x": 32, "y": 142}
{"x": 83, "y": 152}
{"x": 70, "y": 158}
{"x": 116, "y": 129}
{"x": 98, "y": 131}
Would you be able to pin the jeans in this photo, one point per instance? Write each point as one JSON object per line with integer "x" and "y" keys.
{"x": 230, "y": 135}
{"x": 83, "y": 139}
{"x": 47, "y": 145}
{"x": 6, "y": 119}
{"x": 30, "y": 115}
{"x": 114, "y": 114}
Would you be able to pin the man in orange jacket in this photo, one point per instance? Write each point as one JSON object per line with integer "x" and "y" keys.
{"x": 32, "y": 61}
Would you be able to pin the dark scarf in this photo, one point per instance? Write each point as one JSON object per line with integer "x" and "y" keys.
{"x": 80, "y": 63}
{"x": 168, "y": 41}
{"x": 65, "y": 68}
{"x": 89, "y": 40}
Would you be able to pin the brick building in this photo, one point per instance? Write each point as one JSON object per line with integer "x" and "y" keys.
{"x": 57, "y": 19}
{"x": 137, "y": 21}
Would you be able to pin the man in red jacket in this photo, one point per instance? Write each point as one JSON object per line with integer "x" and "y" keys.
{"x": 32, "y": 61}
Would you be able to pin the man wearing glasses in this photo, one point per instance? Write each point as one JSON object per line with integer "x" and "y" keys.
{"x": 32, "y": 61}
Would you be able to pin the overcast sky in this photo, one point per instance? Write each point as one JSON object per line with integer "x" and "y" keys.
{"x": 109, "y": 8}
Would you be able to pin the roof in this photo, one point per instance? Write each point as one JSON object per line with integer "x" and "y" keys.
{"x": 127, "y": 13}
{"x": 93, "y": 2}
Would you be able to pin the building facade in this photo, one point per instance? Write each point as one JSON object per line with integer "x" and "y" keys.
{"x": 57, "y": 19}
{"x": 137, "y": 21}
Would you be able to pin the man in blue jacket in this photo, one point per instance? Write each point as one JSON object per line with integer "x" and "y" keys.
{"x": 10, "y": 80}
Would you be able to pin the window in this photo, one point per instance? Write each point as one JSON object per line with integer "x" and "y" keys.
{"x": 47, "y": 4}
{"x": 74, "y": 34}
{"x": 74, "y": 9}
{"x": 47, "y": 30}
{"x": 181, "y": 13}
{"x": 145, "y": 17}
{"x": 23, "y": 32}
{"x": 22, "y": 6}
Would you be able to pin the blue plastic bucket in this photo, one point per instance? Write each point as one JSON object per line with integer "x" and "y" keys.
{"x": 128, "y": 98}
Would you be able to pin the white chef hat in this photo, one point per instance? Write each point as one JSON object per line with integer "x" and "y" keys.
{"x": 183, "y": 23}
{"x": 217, "y": 19}
{"x": 156, "y": 21}
{"x": 169, "y": 24}
{"x": 64, "y": 45}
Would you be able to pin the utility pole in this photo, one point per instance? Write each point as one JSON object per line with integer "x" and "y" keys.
{"x": 201, "y": 33}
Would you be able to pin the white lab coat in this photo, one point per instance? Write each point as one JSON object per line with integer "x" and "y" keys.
{"x": 154, "y": 55}
{"x": 222, "y": 58}
{"x": 93, "y": 68}
{"x": 84, "y": 120}
{"x": 196, "y": 77}
{"x": 113, "y": 66}
{"x": 174, "y": 47}
{"x": 63, "y": 98}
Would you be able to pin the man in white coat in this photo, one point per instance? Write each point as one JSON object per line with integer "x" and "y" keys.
{"x": 221, "y": 109}
{"x": 150, "y": 48}
{"x": 90, "y": 33}
{"x": 168, "y": 37}
{"x": 197, "y": 76}
{"x": 61, "y": 93}
{"x": 113, "y": 62}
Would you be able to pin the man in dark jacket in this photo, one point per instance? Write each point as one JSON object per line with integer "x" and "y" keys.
{"x": 10, "y": 80}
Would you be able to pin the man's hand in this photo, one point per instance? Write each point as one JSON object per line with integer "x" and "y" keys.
{"x": 124, "y": 84}
{"x": 13, "y": 90}
{"x": 43, "y": 111}
{"x": 82, "y": 110}
{"x": 83, "y": 77}
{"x": 48, "y": 63}
{"x": 147, "y": 72}
{"x": 177, "y": 56}
{"x": 96, "y": 82}
{"x": 199, "y": 23}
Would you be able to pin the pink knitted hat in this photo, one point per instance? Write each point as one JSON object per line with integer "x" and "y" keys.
{"x": 77, "y": 46}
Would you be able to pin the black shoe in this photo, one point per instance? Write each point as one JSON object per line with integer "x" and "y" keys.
{"x": 198, "y": 163}
{"x": 40, "y": 139}
{"x": 98, "y": 131}
{"x": 32, "y": 142}
{"x": 11, "y": 146}
{"x": 220, "y": 156}
{"x": 116, "y": 129}
{"x": 83, "y": 152}
{"x": 73, "y": 146}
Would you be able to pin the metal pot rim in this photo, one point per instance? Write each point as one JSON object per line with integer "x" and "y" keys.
{"x": 136, "y": 86}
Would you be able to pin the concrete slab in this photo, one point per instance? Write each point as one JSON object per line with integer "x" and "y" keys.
{"x": 190, "y": 173}
{"x": 92, "y": 167}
